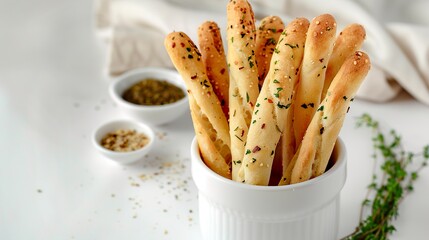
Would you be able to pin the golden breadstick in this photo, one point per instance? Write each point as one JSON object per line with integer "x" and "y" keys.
{"x": 286, "y": 147}
{"x": 319, "y": 140}
{"x": 348, "y": 41}
{"x": 211, "y": 126}
{"x": 318, "y": 48}
{"x": 274, "y": 101}
{"x": 210, "y": 154}
{"x": 213, "y": 56}
{"x": 243, "y": 90}
{"x": 267, "y": 35}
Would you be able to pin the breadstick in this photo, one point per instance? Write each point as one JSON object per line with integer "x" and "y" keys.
{"x": 243, "y": 90}
{"x": 348, "y": 41}
{"x": 318, "y": 48}
{"x": 211, "y": 126}
{"x": 274, "y": 101}
{"x": 319, "y": 140}
{"x": 267, "y": 35}
{"x": 213, "y": 57}
{"x": 286, "y": 148}
{"x": 210, "y": 154}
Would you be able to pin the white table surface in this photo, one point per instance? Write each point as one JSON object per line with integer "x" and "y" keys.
{"x": 54, "y": 185}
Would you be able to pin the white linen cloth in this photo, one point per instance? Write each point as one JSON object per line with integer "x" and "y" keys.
{"x": 397, "y": 34}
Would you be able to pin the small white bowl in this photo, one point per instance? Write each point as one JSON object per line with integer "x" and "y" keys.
{"x": 123, "y": 157}
{"x": 229, "y": 210}
{"x": 153, "y": 115}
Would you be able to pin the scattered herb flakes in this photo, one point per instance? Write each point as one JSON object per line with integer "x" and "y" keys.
{"x": 161, "y": 135}
{"x": 39, "y": 191}
{"x": 291, "y": 46}
{"x": 238, "y": 138}
{"x": 279, "y": 105}
{"x": 256, "y": 149}
{"x": 251, "y": 64}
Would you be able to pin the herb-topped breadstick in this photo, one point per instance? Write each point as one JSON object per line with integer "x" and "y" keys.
{"x": 267, "y": 35}
{"x": 319, "y": 140}
{"x": 243, "y": 90}
{"x": 348, "y": 41}
{"x": 274, "y": 101}
{"x": 213, "y": 56}
{"x": 318, "y": 48}
{"x": 211, "y": 126}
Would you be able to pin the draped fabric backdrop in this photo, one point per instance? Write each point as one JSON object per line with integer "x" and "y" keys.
{"x": 397, "y": 34}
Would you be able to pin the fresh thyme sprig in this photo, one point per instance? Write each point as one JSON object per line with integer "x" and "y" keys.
{"x": 387, "y": 191}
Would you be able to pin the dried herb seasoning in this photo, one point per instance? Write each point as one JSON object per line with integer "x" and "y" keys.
{"x": 153, "y": 92}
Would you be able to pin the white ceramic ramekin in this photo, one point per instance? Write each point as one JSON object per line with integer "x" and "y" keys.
{"x": 123, "y": 157}
{"x": 152, "y": 115}
{"x": 235, "y": 211}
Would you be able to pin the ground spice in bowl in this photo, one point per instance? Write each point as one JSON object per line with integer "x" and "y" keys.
{"x": 124, "y": 140}
{"x": 153, "y": 92}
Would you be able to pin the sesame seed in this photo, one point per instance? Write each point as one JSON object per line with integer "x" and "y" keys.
{"x": 355, "y": 62}
{"x": 317, "y": 22}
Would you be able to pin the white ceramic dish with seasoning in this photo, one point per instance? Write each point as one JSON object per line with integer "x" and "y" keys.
{"x": 236, "y": 211}
{"x": 123, "y": 157}
{"x": 153, "y": 115}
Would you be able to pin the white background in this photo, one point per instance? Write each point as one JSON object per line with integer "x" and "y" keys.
{"x": 54, "y": 185}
